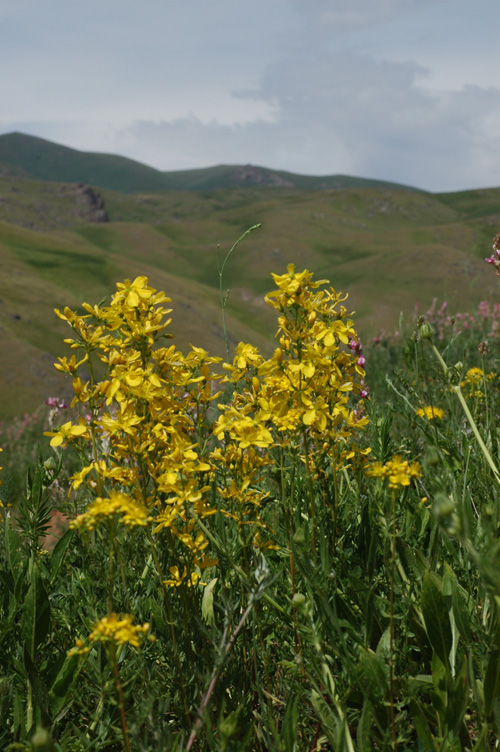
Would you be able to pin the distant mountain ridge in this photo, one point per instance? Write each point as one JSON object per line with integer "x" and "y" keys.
{"x": 32, "y": 157}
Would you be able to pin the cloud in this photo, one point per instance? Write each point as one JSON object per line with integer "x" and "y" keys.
{"x": 401, "y": 90}
{"x": 346, "y": 113}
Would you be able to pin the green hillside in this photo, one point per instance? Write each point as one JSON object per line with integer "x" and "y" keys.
{"x": 32, "y": 157}
{"x": 390, "y": 250}
{"x": 43, "y": 160}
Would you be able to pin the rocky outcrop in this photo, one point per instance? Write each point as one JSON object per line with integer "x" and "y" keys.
{"x": 251, "y": 174}
{"x": 91, "y": 204}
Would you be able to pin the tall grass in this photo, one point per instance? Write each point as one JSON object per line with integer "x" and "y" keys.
{"x": 293, "y": 553}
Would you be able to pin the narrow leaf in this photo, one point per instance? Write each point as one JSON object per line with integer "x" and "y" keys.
{"x": 64, "y": 682}
{"x": 36, "y": 614}
{"x": 492, "y": 678}
{"x": 39, "y": 688}
{"x": 458, "y": 699}
{"x": 460, "y": 612}
{"x": 436, "y": 618}
{"x": 13, "y": 548}
{"x": 372, "y": 676}
{"x": 421, "y": 726}
{"x": 59, "y": 551}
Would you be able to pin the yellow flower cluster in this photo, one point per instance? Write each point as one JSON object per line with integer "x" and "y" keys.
{"x": 303, "y": 396}
{"x": 119, "y": 630}
{"x": 473, "y": 383}
{"x": 132, "y": 513}
{"x": 146, "y": 418}
{"x": 430, "y": 412}
{"x": 397, "y": 472}
{"x": 158, "y": 456}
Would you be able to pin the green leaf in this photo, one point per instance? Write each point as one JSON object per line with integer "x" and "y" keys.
{"x": 60, "y": 691}
{"x": 458, "y": 699}
{"x": 460, "y": 612}
{"x": 491, "y": 687}
{"x": 436, "y": 618}
{"x": 228, "y": 726}
{"x": 36, "y": 614}
{"x": 372, "y": 676}
{"x": 207, "y": 604}
{"x": 39, "y": 688}
{"x": 422, "y": 726}
{"x": 289, "y": 726}
{"x": 13, "y": 548}
{"x": 365, "y": 726}
{"x": 19, "y": 719}
{"x": 59, "y": 551}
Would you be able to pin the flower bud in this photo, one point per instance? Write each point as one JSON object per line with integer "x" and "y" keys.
{"x": 426, "y": 331}
{"x": 41, "y": 741}
{"x": 299, "y": 600}
{"x": 432, "y": 457}
{"x": 443, "y": 506}
{"x": 50, "y": 464}
{"x": 300, "y": 537}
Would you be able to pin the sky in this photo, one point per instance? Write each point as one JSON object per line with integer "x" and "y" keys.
{"x": 399, "y": 90}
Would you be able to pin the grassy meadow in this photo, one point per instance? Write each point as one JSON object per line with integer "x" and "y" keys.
{"x": 248, "y": 512}
{"x": 292, "y": 548}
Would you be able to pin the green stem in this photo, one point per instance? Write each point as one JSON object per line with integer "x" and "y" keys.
{"x": 170, "y": 619}
{"x": 121, "y": 703}
{"x": 310, "y": 484}
{"x": 288, "y": 526}
{"x": 468, "y": 415}
{"x": 391, "y": 621}
{"x": 166, "y": 600}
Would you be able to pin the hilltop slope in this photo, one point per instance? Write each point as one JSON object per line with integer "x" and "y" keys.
{"x": 28, "y": 156}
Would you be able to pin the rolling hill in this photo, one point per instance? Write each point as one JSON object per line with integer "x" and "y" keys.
{"x": 28, "y": 156}
{"x": 389, "y": 249}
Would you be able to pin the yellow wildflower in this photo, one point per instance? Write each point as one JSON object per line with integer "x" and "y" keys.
{"x": 430, "y": 412}
{"x": 133, "y": 513}
{"x": 67, "y": 432}
{"x": 397, "y": 471}
{"x": 177, "y": 579}
{"x": 118, "y": 629}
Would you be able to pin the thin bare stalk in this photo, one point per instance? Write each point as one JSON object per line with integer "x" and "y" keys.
{"x": 223, "y": 298}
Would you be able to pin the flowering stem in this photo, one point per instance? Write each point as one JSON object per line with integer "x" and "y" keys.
{"x": 289, "y": 540}
{"x": 335, "y": 504}
{"x": 391, "y": 620}
{"x": 311, "y": 491}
